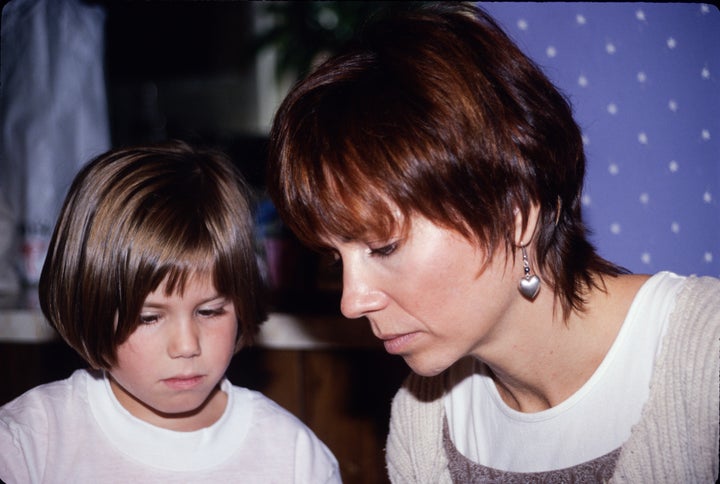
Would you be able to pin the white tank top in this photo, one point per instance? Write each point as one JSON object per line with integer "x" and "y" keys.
{"x": 592, "y": 422}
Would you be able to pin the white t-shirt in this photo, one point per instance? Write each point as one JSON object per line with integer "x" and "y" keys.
{"x": 592, "y": 422}
{"x": 75, "y": 430}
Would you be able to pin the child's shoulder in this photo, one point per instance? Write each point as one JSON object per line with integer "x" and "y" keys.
{"x": 265, "y": 412}
{"x": 262, "y": 406}
{"x": 47, "y": 413}
{"x": 276, "y": 435}
{"x": 54, "y": 396}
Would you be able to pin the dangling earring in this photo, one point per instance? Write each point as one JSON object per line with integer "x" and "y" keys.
{"x": 530, "y": 284}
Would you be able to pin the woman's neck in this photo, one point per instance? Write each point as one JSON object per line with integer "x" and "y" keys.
{"x": 542, "y": 360}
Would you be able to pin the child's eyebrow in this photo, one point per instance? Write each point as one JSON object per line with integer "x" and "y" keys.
{"x": 150, "y": 303}
{"x": 153, "y": 305}
{"x": 219, "y": 297}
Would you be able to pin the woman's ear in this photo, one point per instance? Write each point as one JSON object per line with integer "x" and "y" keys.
{"x": 525, "y": 228}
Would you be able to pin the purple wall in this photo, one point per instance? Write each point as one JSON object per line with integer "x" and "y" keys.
{"x": 644, "y": 81}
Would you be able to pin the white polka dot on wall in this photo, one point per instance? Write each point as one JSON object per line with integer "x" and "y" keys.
{"x": 643, "y": 85}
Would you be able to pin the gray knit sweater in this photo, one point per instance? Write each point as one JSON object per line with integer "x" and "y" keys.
{"x": 676, "y": 440}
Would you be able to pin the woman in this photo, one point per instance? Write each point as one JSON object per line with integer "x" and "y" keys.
{"x": 444, "y": 171}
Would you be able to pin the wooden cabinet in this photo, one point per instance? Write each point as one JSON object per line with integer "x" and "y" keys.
{"x": 344, "y": 395}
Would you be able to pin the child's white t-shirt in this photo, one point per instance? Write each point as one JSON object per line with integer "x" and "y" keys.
{"x": 594, "y": 421}
{"x": 75, "y": 430}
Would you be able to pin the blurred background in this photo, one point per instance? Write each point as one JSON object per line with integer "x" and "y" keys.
{"x": 644, "y": 81}
{"x": 78, "y": 77}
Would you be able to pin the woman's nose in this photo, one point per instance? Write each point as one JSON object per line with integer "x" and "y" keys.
{"x": 360, "y": 296}
{"x": 184, "y": 339}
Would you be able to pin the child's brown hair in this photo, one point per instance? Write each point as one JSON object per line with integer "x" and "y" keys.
{"x": 135, "y": 217}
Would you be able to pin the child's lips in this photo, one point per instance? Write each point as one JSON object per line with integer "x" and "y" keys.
{"x": 183, "y": 382}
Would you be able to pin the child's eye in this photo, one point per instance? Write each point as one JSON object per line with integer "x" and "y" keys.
{"x": 211, "y": 313}
{"x": 149, "y": 318}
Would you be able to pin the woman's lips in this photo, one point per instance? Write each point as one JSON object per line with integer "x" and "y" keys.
{"x": 397, "y": 344}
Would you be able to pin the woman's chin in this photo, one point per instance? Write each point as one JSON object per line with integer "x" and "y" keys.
{"x": 424, "y": 367}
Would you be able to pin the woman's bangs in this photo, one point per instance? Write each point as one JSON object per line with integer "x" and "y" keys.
{"x": 336, "y": 209}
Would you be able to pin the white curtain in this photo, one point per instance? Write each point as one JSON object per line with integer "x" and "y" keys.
{"x": 53, "y": 115}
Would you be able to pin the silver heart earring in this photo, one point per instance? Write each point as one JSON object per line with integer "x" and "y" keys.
{"x": 530, "y": 284}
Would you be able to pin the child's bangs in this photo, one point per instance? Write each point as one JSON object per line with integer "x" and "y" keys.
{"x": 178, "y": 274}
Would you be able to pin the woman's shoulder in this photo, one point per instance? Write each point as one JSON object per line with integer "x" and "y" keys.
{"x": 696, "y": 312}
{"x": 696, "y": 288}
{"x": 688, "y": 365}
{"x": 702, "y": 290}
{"x": 695, "y": 319}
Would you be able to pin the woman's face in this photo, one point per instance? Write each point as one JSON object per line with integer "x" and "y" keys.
{"x": 427, "y": 295}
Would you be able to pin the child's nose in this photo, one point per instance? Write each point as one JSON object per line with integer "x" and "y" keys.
{"x": 184, "y": 340}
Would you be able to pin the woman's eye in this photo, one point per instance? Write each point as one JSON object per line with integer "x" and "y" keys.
{"x": 385, "y": 250}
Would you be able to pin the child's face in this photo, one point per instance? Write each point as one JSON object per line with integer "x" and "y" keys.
{"x": 168, "y": 370}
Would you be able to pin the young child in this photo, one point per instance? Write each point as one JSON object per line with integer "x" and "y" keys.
{"x": 151, "y": 277}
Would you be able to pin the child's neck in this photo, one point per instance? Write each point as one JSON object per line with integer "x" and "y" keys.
{"x": 204, "y": 416}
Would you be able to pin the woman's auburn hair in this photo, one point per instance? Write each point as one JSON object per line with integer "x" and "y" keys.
{"x": 137, "y": 217}
{"x": 434, "y": 111}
